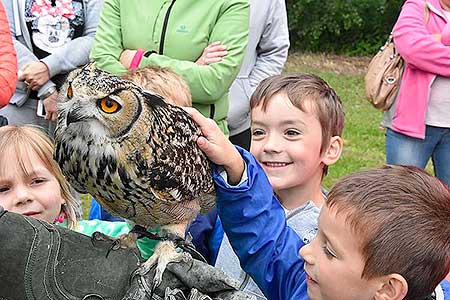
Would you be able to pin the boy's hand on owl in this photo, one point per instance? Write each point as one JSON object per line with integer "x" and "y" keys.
{"x": 217, "y": 146}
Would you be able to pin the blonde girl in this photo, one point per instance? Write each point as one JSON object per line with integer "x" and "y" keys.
{"x": 31, "y": 184}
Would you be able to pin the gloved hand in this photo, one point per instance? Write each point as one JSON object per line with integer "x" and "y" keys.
{"x": 3, "y": 121}
{"x": 189, "y": 279}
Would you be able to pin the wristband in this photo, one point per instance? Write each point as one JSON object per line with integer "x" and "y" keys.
{"x": 136, "y": 59}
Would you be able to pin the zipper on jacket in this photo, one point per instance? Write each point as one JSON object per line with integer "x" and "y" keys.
{"x": 164, "y": 28}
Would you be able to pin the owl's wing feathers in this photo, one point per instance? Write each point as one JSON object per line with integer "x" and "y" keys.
{"x": 179, "y": 170}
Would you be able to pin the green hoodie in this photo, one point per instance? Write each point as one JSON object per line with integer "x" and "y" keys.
{"x": 178, "y": 31}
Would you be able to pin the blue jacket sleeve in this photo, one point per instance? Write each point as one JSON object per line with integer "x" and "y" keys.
{"x": 201, "y": 230}
{"x": 256, "y": 225}
{"x": 97, "y": 212}
{"x": 445, "y": 285}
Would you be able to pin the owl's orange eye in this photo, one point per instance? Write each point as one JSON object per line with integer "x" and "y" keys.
{"x": 69, "y": 92}
{"x": 109, "y": 105}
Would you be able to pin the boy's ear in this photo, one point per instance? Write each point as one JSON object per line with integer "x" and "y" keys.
{"x": 334, "y": 151}
{"x": 393, "y": 287}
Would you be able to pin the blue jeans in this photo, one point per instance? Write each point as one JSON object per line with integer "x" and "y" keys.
{"x": 404, "y": 150}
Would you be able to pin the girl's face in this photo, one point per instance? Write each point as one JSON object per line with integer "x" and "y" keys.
{"x": 27, "y": 187}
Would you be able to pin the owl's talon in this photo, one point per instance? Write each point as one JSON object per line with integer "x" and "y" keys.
{"x": 143, "y": 269}
{"x": 114, "y": 246}
{"x": 165, "y": 252}
{"x": 98, "y": 236}
{"x": 156, "y": 282}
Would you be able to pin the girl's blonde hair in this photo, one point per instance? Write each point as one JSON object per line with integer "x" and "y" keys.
{"x": 22, "y": 140}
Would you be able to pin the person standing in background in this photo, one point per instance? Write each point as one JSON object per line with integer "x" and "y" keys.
{"x": 51, "y": 38}
{"x": 8, "y": 60}
{"x": 418, "y": 124}
{"x": 175, "y": 34}
{"x": 267, "y": 50}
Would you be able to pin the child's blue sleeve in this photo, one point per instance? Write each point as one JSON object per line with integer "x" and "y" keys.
{"x": 202, "y": 232}
{"x": 215, "y": 241}
{"x": 445, "y": 286}
{"x": 256, "y": 226}
{"x": 99, "y": 213}
{"x": 95, "y": 211}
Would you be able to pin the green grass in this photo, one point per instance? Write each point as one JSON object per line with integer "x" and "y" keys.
{"x": 363, "y": 140}
{"x": 86, "y": 205}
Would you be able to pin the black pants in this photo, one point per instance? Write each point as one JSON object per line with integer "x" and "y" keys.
{"x": 242, "y": 139}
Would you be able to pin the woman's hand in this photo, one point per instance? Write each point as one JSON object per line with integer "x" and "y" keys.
{"x": 212, "y": 53}
{"x": 126, "y": 57}
{"x": 34, "y": 74}
{"x": 51, "y": 112}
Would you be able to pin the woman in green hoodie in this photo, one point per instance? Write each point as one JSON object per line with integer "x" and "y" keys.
{"x": 174, "y": 34}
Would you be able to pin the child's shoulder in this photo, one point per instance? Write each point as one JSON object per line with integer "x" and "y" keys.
{"x": 304, "y": 221}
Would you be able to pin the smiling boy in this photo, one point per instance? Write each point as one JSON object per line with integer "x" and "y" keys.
{"x": 297, "y": 123}
{"x": 384, "y": 233}
{"x": 296, "y": 127}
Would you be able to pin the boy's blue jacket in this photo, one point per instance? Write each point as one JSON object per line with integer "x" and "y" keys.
{"x": 267, "y": 248}
{"x": 256, "y": 226}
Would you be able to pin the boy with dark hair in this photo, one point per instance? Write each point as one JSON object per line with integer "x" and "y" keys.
{"x": 383, "y": 233}
{"x": 398, "y": 218}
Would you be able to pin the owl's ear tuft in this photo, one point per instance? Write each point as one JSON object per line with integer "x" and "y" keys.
{"x": 153, "y": 99}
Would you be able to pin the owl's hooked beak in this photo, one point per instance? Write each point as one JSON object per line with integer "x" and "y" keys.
{"x": 73, "y": 117}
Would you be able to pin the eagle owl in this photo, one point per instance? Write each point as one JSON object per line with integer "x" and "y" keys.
{"x": 135, "y": 153}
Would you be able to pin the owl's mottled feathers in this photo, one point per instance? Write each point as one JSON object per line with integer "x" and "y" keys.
{"x": 136, "y": 154}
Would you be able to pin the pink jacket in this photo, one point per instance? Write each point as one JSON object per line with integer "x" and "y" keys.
{"x": 425, "y": 58}
{"x": 8, "y": 61}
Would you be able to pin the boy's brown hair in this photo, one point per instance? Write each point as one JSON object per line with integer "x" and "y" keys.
{"x": 164, "y": 82}
{"x": 304, "y": 90}
{"x": 401, "y": 217}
